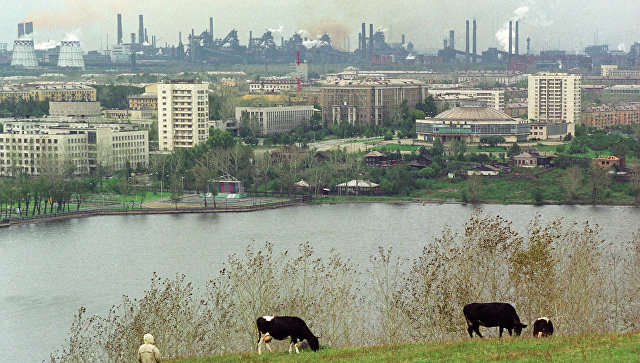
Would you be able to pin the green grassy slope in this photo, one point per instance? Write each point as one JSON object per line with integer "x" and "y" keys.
{"x": 591, "y": 348}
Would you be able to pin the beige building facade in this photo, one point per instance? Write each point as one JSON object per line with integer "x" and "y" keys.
{"x": 183, "y": 114}
{"x": 555, "y": 98}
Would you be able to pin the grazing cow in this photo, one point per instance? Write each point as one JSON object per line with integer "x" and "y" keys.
{"x": 542, "y": 327}
{"x": 282, "y": 327}
{"x": 489, "y": 315}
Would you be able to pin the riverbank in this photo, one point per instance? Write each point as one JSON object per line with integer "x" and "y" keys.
{"x": 590, "y": 348}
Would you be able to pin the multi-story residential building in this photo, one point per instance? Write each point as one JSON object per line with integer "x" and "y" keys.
{"x": 491, "y": 77}
{"x": 273, "y": 85}
{"x": 270, "y": 120}
{"x": 52, "y": 91}
{"x": 145, "y": 100}
{"x": 492, "y": 98}
{"x": 34, "y": 147}
{"x": 608, "y": 115}
{"x": 555, "y": 98}
{"x": 183, "y": 113}
{"x": 368, "y": 101}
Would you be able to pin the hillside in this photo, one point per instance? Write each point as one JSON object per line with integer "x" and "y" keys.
{"x": 592, "y": 348}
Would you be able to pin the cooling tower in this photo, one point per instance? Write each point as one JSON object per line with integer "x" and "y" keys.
{"x": 70, "y": 55}
{"x": 24, "y": 54}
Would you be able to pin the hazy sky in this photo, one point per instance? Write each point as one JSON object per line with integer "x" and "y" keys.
{"x": 569, "y": 24}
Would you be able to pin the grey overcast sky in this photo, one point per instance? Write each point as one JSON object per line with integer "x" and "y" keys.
{"x": 568, "y": 24}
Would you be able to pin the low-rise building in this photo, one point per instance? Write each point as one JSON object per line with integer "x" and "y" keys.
{"x": 492, "y": 98}
{"x": 491, "y": 77}
{"x": 549, "y": 130}
{"x": 607, "y": 162}
{"x": 28, "y": 147}
{"x": 608, "y": 115}
{"x": 271, "y": 120}
{"x": 52, "y": 91}
{"x": 367, "y": 102}
{"x": 472, "y": 124}
{"x": 145, "y": 100}
{"x": 74, "y": 109}
{"x": 273, "y": 85}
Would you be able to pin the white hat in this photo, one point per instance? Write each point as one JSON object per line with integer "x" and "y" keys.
{"x": 148, "y": 338}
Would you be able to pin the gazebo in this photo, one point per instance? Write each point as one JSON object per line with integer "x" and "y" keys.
{"x": 357, "y": 186}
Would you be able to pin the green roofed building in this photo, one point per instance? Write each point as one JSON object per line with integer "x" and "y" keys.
{"x": 471, "y": 123}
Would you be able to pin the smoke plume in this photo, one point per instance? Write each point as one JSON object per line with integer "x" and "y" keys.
{"x": 336, "y": 30}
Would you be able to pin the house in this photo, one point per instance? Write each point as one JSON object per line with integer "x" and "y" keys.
{"x": 322, "y": 156}
{"x": 484, "y": 170}
{"x": 286, "y": 154}
{"x": 531, "y": 159}
{"x": 421, "y": 161}
{"x": 376, "y": 158}
{"x": 607, "y": 162}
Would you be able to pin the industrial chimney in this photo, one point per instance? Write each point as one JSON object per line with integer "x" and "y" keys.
{"x": 370, "y": 37}
{"x": 119, "y": 28}
{"x": 466, "y": 48}
{"x": 452, "y": 44}
{"x": 211, "y": 27}
{"x": 402, "y": 38}
{"x": 516, "y": 47}
{"x": 474, "y": 37}
{"x": 510, "y": 37}
{"x": 140, "y": 30}
{"x": 363, "y": 47}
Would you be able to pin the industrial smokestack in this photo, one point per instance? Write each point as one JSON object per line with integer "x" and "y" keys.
{"x": 452, "y": 43}
{"x": 444, "y": 43}
{"x": 28, "y": 28}
{"x": 363, "y": 47}
{"x": 140, "y": 30}
{"x": 528, "y": 45}
{"x": 119, "y": 28}
{"x": 466, "y": 48}
{"x": 510, "y": 37}
{"x": 517, "y": 52}
{"x": 20, "y": 30}
{"x": 146, "y": 36}
{"x": 179, "y": 38}
{"x": 402, "y": 38}
{"x": 211, "y": 27}
{"x": 133, "y": 38}
{"x": 360, "y": 41}
{"x": 370, "y": 37}
{"x": 474, "y": 37}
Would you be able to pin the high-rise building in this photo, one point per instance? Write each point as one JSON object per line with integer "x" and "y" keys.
{"x": 183, "y": 112}
{"x": 555, "y": 98}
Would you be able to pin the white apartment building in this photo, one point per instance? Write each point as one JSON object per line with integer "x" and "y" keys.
{"x": 273, "y": 85}
{"x": 492, "y": 98}
{"x": 183, "y": 113}
{"x": 270, "y": 120}
{"x": 503, "y": 77}
{"x": 28, "y": 147}
{"x": 555, "y": 98}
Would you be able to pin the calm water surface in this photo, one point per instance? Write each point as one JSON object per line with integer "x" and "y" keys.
{"x": 49, "y": 270}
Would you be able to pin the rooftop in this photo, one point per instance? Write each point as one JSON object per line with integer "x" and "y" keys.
{"x": 473, "y": 114}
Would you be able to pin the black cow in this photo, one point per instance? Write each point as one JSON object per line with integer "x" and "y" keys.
{"x": 542, "y": 327}
{"x": 283, "y": 327}
{"x": 489, "y": 315}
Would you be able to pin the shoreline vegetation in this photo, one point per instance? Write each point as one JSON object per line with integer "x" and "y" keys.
{"x": 411, "y": 306}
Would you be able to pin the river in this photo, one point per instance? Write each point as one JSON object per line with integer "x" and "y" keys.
{"x": 49, "y": 270}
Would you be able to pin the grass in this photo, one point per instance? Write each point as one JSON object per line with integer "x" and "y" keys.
{"x": 591, "y": 348}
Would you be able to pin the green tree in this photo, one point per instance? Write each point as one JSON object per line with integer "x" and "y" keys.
{"x": 598, "y": 181}
{"x": 176, "y": 190}
{"x": 514, "y": 150}
{"x": 437, "y": 149}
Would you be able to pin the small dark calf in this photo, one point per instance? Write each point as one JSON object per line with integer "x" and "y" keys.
{"x": 542, "y": 327}
{"x": 283, "y": 327}
{"x": 489, "y": 315}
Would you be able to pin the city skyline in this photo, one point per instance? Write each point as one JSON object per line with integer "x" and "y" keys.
{"x": 425, "y": 23}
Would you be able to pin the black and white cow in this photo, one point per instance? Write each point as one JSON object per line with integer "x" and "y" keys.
{"x": 283, "y": 327}
{"x": 542, "y": 327}
{"x": 489, "y": 315}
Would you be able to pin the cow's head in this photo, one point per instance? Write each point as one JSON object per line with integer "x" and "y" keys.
{"x": 517, "y": 328}
{"x": 313, "y": 343}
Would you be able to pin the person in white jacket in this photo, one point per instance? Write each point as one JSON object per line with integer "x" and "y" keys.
{"x": 148, "y": 353}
